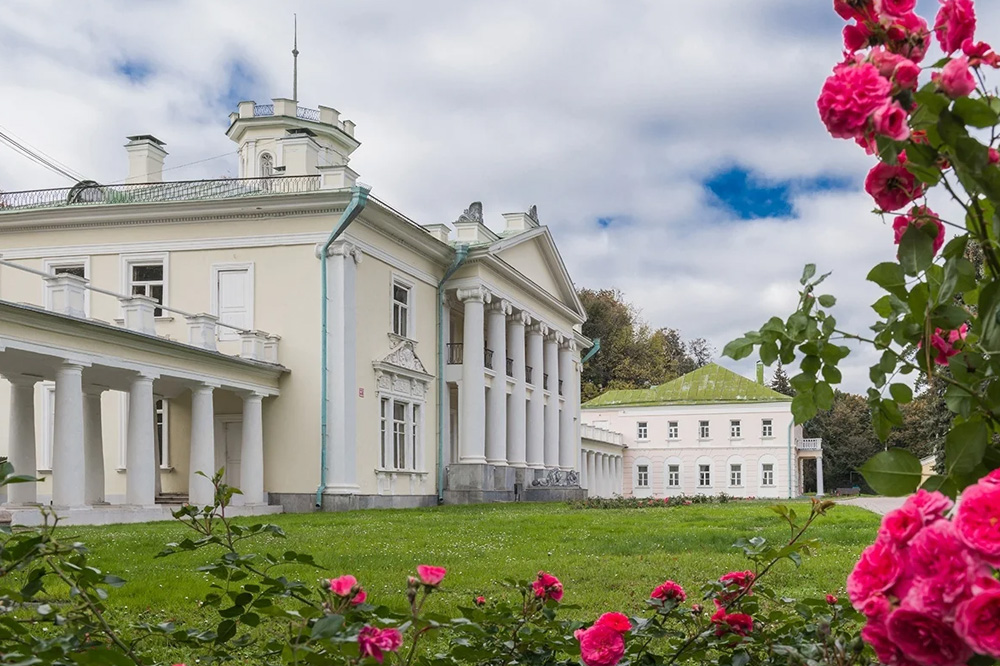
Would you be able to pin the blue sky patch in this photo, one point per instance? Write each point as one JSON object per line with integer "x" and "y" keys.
{"x": 241, "y": 84}
{"x": 743, "y": 193}
{"x": 135, "y": 71}
{"x": 607, "y": 221}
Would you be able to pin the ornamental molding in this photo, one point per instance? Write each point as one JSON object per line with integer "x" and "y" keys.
{"x": 538, "y": 328}
{"x": 502, "y": 306}
{"x": 558, "y": 478}
{"x": 472, "y": 214}
{"x": 401, "y": 372}
{"x": 533, "y": 213}
{"x": 345, "y": 249}
{"x": 478, "y": 294}
{"x": 522, "y": 318}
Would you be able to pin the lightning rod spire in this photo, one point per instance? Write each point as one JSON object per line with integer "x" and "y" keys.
{"x": 295, "y": 60}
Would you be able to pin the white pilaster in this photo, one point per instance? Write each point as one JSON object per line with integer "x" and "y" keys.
{"x": 819, "y": 476}
{"x": 567, "y": 446}
{"x": 93, "y": 445}
{"x": 552, "y": 408}
{"x": 140, "y": 456}
{"x": 605, "y": 475}
{"x": 472, "y": 395}
{"x": 341, "y": 433}
{"x": 496, "y": 405}
{"x": 591, "y": 474}
{"x": 252, "y": 450}
{"x": 618, "y": 476}
{"x": 517, "y": 414}
{"x": 200, "y": 489}
{"x": 21, "y": 438}
{"x": 68, "y": 485}
{"x": 535, "y": 441}
{"x": 584, "y": 478}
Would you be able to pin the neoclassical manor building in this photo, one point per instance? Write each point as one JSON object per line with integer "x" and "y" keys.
{"x": 322, "y": 347}
{"x": 708, "y": 432}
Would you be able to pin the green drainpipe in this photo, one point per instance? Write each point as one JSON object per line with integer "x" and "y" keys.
{"x": 461, "y": 254}
{"x": 790, "y": 469}
{"x": 359, "y": 197}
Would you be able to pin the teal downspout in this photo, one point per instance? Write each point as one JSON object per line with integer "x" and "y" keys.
{"x": 359, "y": 197}
{"x": 461, "y": 254}
{"x": 790, "y": 468}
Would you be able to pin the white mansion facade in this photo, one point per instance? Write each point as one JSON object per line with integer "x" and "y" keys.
{"x": 324, "y": 348}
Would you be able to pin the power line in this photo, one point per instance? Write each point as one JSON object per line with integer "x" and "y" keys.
{"x": 181, "y": 166}
{"x": 39, "y": 158}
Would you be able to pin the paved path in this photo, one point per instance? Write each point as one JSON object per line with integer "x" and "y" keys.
{"x": 879, "y": 505}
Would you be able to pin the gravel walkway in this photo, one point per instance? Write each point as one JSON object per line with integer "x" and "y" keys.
{"x": 879, "y": 505}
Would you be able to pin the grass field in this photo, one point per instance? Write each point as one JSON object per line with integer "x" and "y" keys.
{"x": 606, "y": 559}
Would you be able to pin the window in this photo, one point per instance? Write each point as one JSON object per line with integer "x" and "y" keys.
{"x": 736, "y": 474}
{"x": 703, "y": 429}
{"x": 767, "y": 474}
{"x": 766, "y": 428}
{"x": 673, "y": 432}
{"x": 266, "y": 165}
{"x": 642, "y": 430}
{"x": 147, "y": 280}
{"x": 400, "y": 433}
{"x": 161, "y": 419}
{"x": 735, "y": 429}
{"x": 704, "y": 475}
{"x": 673, "y": 476}
{"x": 232, "y": 298}
{"x": 642, "y": 478}
{"x": 401, "y": 294}
{"x": 78, "y": 266}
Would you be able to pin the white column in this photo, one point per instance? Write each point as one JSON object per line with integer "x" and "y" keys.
{"x": 588, "y": 462}
{"x": 472, "y": 395}
{"x": 535, "y": 440}
{"x": 517, "y": 414}
{"x": 552, "y": 408}
{"x": 341, "y": 422}
{"x": 68, "y": 480}
{"x": 606, "y": 474}
{"x": 200, "y": 489}
{"x": 819, "y": 476}
{"x": 93, "y": 445}
{"x": 496, "y": 406}
{"x": 567, "y": 446}
{"x": 21, "y": 438}
{"x": 140, "y": 456}
{"x": 252, "y": 450}
{"x": 618, "y": 476}
{"x": 584, "y": 479}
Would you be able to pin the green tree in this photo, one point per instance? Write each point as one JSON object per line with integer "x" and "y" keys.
{"x": 848, "y": 439}
{"x": 780, "y": 383}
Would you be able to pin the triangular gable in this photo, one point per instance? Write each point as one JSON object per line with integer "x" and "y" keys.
{"x": 534, "y": 255}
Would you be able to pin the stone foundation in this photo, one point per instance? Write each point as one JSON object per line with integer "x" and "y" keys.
{"x": 306, "y": 502}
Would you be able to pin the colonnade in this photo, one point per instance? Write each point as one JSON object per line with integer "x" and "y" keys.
{"x": 601, "y": 473}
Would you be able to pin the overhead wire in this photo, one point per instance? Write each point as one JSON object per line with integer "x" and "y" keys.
{"x": 38, "y": 156}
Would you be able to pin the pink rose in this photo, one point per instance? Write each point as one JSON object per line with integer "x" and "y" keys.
{"x": 600, "y": 645}
{"x": 617, "y": 621}
{"x": 886, "y": 61}
{"x": 876, "y": 607}
{"x": 898, "y": 7}
{"x": 849, "y": 97}
{"x": 373, "y": 642}
{"x": 830, "y": 599}
{"x": 892, "y": 186}
{"x": 945, "y": 566}
{"x": 980, "y": 53}
{"x": 856, "y": 36}
{"x": 547, "y": 586}
{"x": 737, "y": 623}
{"x": 343, "y": 586}
{"x": 876, "y": 572}
{"x": 955, "y": 79}
{"x": 854, "y": 9}
{"x": 906, "y": 74}
{"x": 977, "y": 520}
{"x": 480, "y": 600}
{"x": 978, "y": 622}
{"x": 907, "y": 35}
{"x": 874, "y": 633}
{"x": 992, "y": 477}
{"x": 669, "y": 591}
{"x": 901, "y": 525}
{"x": 734, "y": 583}
{"x": 994, "y": 156}
{"x": 931, "y": 505}
{"x": 944, "y": 343}
{"x": 920, "y": 216}
{"x": 431, "y": 575}
{"x": 925, "y": 639}
{"x": 867, "y": 141}
{"x": 956, "y": 22}
{"x": 890, "y": 120}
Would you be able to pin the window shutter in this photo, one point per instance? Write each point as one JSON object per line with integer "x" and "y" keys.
{"x": 234, "y": 301}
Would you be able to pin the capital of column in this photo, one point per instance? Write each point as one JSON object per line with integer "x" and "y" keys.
{"x": 538, "y": 328}
{"x": 22, "y": 380}
{"x": 253, "y": 396}
{"x": 345, "y": 249}
{"x": 555, "y": 336}
{"x": 145, "y": 376}
{"x": 520, "y": 317}
{"x": 75, "y": 367}
{"x": 569, "y": 344}
{"x": 478, "y": 294}
{"x": 204, "y": 387}
{"x": 502, "y": 306}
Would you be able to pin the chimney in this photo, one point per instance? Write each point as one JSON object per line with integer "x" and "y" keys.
{"x": 145, "y": 159}
{"x": 760, "y": 372}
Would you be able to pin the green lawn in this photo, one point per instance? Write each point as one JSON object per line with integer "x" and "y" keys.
{"x": 606, "y": 559}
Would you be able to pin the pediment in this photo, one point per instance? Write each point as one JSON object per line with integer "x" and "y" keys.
{"x": 403, "y": 357}
{"x": 534, "y": 255}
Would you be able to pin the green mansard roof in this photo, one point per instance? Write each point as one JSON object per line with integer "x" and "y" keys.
{"x": 706, "y": 385}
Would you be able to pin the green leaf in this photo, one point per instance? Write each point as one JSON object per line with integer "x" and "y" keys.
{"x": 951, "y": 128}
{"x": 803, "y": 407}
{"x": 901, "y": 393}
{"x": 916, "y": 249}
{"x": 101, "y": 657}
{"x": 889, "y": 275}
{"x": 327, "y": 626}
{"x": 975, "y": 112}
{"x": 827, "y": 301}
{"x": 823, "y": 395}
{"x": 737, "y": 349}
{"x": 807, "y": 273}
{"x": 894, "y": 472}
{"x": 768, "y": 353}
{"x": 964, "y": 447}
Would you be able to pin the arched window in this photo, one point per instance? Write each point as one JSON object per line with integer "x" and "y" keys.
{"x": 266, "y": 165}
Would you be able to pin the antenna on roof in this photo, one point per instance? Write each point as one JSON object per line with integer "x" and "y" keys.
{"x": 295, "y": 60}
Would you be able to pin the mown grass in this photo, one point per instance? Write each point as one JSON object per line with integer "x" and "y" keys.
{"x": 606, "y": 559}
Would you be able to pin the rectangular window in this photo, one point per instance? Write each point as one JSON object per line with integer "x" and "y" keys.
{"x": 399, "y": 430}
{"x": 642, "y": 431}
{"x": 766, "y": 429}
{"x": 147, "y": 280}
{"x": 384, "y": 429}
{"x": 673, "y": 476}
{"x": 704, "y": 476}
{"x": 703, "y": 429}
{"x": 736, "y": 474}
{"x": 767, "y": 474}
{"x": 401, "y": 294}
{"x": 673, "y": 432}
{"x": 735, "y": 430}
{"x": 232, "y": 298}
{"x": 642, "y": 476}
{"x": 399, "y": 435}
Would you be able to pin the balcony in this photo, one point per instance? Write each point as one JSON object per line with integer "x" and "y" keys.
{"x": 300, "y": 112}
{"x": 810, "y": 444}
{"x": 488, "y": 358}
{"x": 527, "y": 374}
{"x": 545, "y": 381}
{"x": 560, "y": 387}
{"x": 510, "y": 367}
{"x": 455, "y": 353}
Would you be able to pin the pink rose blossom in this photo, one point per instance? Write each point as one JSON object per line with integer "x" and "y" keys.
{"x": 876, "y": 572}
{"x": 430, "y": 575}
{"x": 734, "y": 583}
{"x": 851, "y": 9}
{"x": 977, "y": 519}
{"x": 955, "y": 79}
{"x": 886, "y": 61}
{"x": 547, "y": 586}
{"x": 874, "y": 633}
{"x": 600, "y": 645}
{"x": 342, "y": 588}
{"x": 956, "y": 22}
{"x": 925, "y": 639}
{"x": 944, "y": 343}
{"x": 980, "y": 53}
{"x": 936, "y": 554}
{"x": 994, "y": 156}
{"x": 830, "y": 599}
{"x": 901, "y": 525}
{"x": 737, "y": 623}
{"x": 890, "y": 120}
{"x": 892, "y": 186}
{"x": 992, "y": 477}
{"x": 919, "y": 216}
{"x": 669, "y": 590}
{"x": 906, "y": 74}
{"x": 849, "y": 97}
{"x": 898, "y": 7}
{"x": 978, "y": 622}
{"x": 876, "y": 607}
{"x": 374, "y": 641}
{"x": 617, "y": 621}
{"x": 931, "y": 505}
{"x": 856, "y": 36}
{"x": 907, "y": 35}
{"x": 867, "y": 141}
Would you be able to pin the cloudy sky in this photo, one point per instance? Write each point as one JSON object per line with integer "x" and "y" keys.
{"x": 673, "y": 147}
